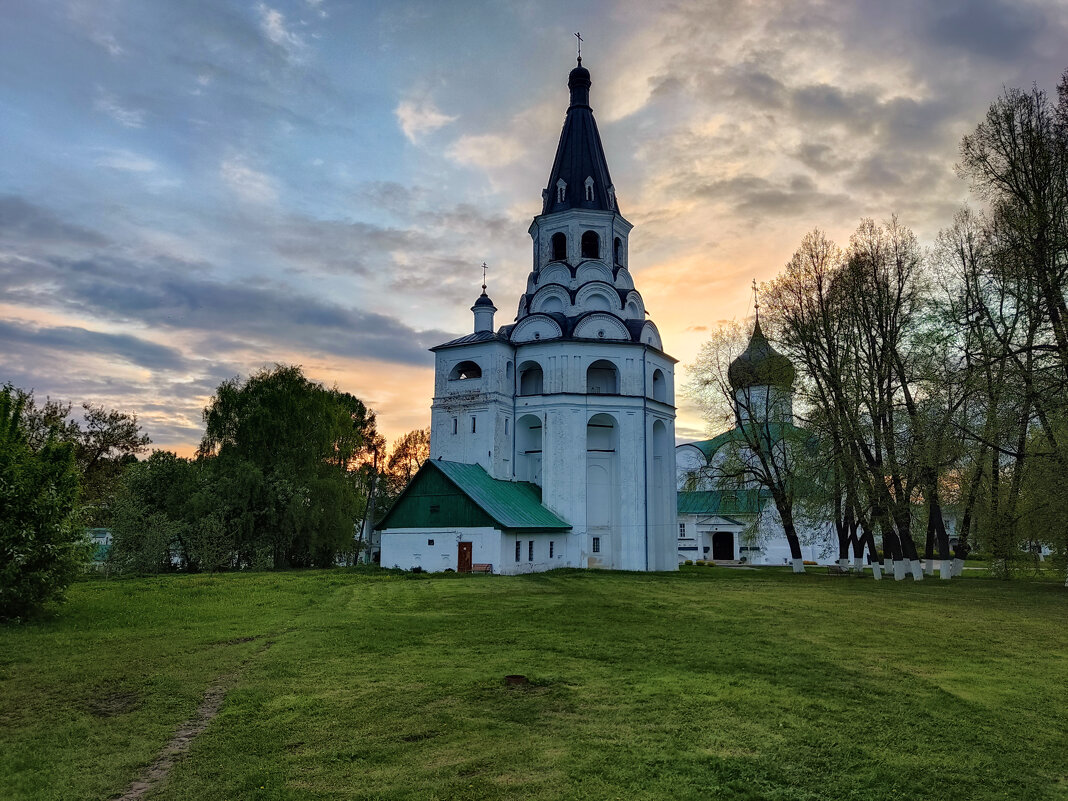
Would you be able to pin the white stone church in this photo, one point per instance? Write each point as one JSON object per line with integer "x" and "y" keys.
{"x": 552, "y": 438}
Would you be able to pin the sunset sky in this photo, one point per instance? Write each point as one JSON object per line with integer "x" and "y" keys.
{"x": 192, "y": 189}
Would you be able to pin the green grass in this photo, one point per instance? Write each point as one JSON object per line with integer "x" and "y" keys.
{"x": 710, "y": 683}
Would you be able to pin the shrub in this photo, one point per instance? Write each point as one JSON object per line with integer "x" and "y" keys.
{"x": 42, "y": 546}
{"x": 689, "y": 562}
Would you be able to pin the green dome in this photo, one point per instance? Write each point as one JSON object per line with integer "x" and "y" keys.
{"x": 760, "y": 365}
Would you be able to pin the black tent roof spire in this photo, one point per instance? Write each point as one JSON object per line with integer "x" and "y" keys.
{"x": 579, "y": 177}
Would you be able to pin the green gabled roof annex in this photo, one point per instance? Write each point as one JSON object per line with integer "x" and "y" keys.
{"x": 466, "y": 495}
{"x": 722, "y": 502}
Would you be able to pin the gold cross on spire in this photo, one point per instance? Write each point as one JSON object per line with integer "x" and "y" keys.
{"x": 579, "y": 37}
{"x": 756, "y": 301}
{"x": 483, "y": 278}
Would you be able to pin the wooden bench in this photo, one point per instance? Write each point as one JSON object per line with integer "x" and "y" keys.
{"x": 480, "y": 568}
{"x": 837, "y": 570}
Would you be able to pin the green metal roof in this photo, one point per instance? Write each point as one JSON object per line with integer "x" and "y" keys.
{"x": 512, "y": 505}
{"x": 709, "y": 446}
{"x": 722, "y": 502}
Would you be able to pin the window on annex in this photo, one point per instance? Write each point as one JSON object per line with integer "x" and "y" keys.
{"x": 596, "y": 544}
{"x": 682, "y": 529}
{"x": 530, "y": 551}
{"x": 551, "y": 550}
{"x": 591, "y": 245}
{"x": 464, "y": 371}
{"x": 559, "y": 242}
{"x": 518, "y": 546}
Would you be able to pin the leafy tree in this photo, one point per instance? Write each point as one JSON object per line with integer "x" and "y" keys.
{"x": 42, "y": 545}
{"x": 105, "y": 442}
{"x": 295, "y": 444}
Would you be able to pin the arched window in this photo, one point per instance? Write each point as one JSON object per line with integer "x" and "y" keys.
{"x": 602, "y": 378}
{"x": 530, "y": 379}
{"x": 589, "y": 188}
{"x": 464, "y": 371}
{"x": 659, "y": 386}
{"x": 561, "y": 190}
{"x": 619, "y": 250}
{"x": 559, "y": 247}
{"x": 591, "y": 245}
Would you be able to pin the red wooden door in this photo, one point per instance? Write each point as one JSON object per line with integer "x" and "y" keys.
{"x": 463, "y": 557}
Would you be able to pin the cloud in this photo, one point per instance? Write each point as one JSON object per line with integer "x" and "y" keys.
{"x": 126, "y": 161}
{"x": 273, "y": 24}
{"x": 168, "y": 294}
{"x": 74, "y": 339}
{"x": 485, "y": 150}
{"x": 247, "y": 183}
{"x": 418, "y": 118}
{"x": 109, "y": 104}
{"x": 25, "y": 225}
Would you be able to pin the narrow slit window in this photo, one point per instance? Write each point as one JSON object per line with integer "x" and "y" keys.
{"x": 596, "y": 544}
{"x": 518, "y": 545}
{"x": 455, "y": 425}
{"x": 551, "y": 549}
{"x": 474, "y": 424}
{"x": 530, "y": 551}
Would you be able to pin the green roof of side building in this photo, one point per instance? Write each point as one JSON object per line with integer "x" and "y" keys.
{"x": 722, "y": 502}
{"x": 451, "y": 494}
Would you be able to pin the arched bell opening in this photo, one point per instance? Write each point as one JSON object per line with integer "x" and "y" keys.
{"x": 602, "y": 378}
{"x": 559, "y": 247}
{"x": 528, "y": 445}
{"x": 531, "y": 379}
{"x": 591, "y": 245}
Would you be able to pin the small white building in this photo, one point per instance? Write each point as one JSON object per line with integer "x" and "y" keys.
{"x": 741, "y": 524}
{"x": 575, "y": 398}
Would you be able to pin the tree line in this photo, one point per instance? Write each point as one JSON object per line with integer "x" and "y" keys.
{"x": 933, "y": 382}
{"x": 289, "y": 473}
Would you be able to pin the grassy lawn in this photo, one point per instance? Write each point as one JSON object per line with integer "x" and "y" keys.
{"x": 709, "y": 683}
